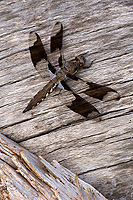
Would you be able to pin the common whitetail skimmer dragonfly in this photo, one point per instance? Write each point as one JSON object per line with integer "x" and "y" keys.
{"x": 67, "y": 71}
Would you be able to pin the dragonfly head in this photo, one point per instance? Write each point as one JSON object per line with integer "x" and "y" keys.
{"x": 80, "y": 60}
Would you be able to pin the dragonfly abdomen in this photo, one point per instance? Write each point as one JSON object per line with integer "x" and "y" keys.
{"x": 42, "y": 94}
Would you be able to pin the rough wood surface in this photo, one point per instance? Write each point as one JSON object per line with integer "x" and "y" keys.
{"x": 25, "y": 176}
{"x": 100, "y": 152}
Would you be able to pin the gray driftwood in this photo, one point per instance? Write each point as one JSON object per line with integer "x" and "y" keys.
{"x": 25, "y": 176}
{"x": 99, "y": 152}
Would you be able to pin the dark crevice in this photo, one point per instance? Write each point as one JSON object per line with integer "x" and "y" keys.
{"x": 49, "y": 131}
{"x": 7, "y": 56}
{"x": 13, "y": 124}
{"x": 105, "y": 167}
{"x": 72, "y": 123}
{"x": 115, "y": 136}
{"x": 108, "y": 58}
{"x": 111, "y": 28}
{"x": 125, "y": 81}
{"x": 16, "y": 31}
{"x": 115, "y": 111}
{"x": 17, "y": 81}
{"x": 4, "y": 49}
{"x": 111, "y": 138}
{"x": 91, "y": 143}
{"x": 73, "y": 141}
{"x": 129, "y": 138}
{"x": 119, "y": 115}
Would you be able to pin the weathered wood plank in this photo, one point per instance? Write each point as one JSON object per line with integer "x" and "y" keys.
{"x": 25, "y": 176}
{"x": 101, "y": 30}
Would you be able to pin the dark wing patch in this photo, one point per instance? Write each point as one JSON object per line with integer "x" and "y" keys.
{"x": 80, "y": 105}
{"x": 101, "y": 92}
{"x": 96, "y": 90}
{"x": 36, "y": 48}
{"x": 60, "y": 61}
{"x": 39, "y": 55}
{"x": 56, "y": 38}
{"x": 83, "y": 107}
{"x": 51, "y": 68}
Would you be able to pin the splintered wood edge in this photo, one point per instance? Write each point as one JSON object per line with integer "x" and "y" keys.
{"x": 26, "y": 176}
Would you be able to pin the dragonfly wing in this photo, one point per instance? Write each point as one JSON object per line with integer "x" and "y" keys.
{"x": 80, "y": 105}
{"x": 39, "y": 56}
{"x": 101, "y": 92}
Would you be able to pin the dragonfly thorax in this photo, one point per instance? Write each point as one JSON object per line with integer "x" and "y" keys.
{"x": 73, "y": 67}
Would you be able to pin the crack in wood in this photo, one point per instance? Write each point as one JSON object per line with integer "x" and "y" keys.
{"x": 105, "y": 167}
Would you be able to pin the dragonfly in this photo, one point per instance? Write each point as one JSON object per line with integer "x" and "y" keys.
{"x": 67, "y": 70}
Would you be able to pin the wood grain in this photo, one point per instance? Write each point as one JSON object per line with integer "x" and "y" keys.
{"x": 100, "y": 152}
{"x": 26, "y": 176}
